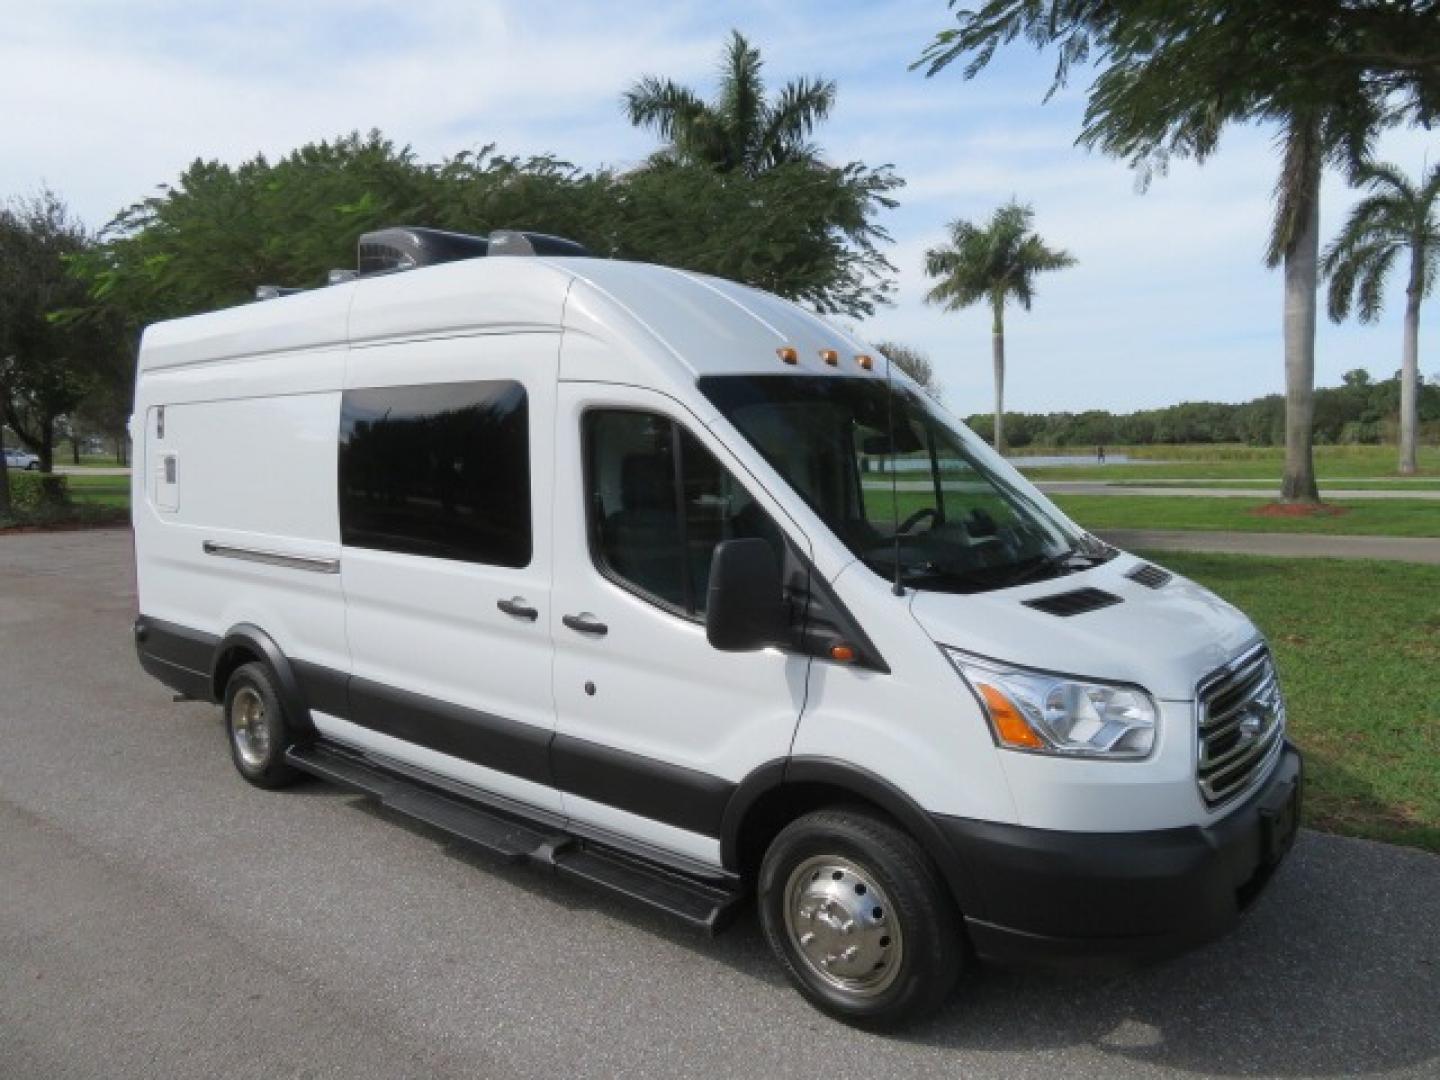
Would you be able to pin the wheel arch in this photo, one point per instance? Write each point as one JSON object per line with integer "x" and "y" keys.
{"x": 246, "y": 642}
{"x": 778, "y": 792}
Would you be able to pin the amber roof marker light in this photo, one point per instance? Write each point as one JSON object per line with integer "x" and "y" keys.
{"x": 788, "y": 354}
{"x": 830, "y": 356}
{"x": 865, "y": 360}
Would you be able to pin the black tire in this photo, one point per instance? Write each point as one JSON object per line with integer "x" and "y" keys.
{"x": 931, "y": 949}
{"x": 258, "y": 757}
{"x": 34, "y": 466}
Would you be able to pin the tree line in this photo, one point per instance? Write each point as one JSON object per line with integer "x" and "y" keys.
{"x": 1360, "y": 411}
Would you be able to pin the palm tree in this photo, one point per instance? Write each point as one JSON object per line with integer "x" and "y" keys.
{"x": 739, "y": 130}
{"x": 1396, "y": 217}
{"x": 1167, "y": 79}
{"x": 992, "y": 264}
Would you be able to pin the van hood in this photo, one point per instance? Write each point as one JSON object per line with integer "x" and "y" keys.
{"x": 1165, "y": 639}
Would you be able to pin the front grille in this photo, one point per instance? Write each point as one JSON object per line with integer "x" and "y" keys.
{"x": 1242, "y": 724}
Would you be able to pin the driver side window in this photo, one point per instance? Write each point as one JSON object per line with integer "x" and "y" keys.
{"x": 659, "y": 504}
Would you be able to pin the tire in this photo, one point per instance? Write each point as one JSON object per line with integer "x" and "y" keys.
{"x": 34, "y": 466}
{"x": 899, "y": 958}
{"x": 256, "y": 728}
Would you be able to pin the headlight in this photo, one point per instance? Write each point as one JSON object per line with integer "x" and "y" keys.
{"x": 1053, "y": 714}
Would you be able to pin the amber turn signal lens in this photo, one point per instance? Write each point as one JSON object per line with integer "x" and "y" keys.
{"x": 865, "y": 361}
{"x": 1009, "y": 724}
{"x": 830, "y": 356}
{"x": 788, "y": 354}
{"x": 843, "y": 653}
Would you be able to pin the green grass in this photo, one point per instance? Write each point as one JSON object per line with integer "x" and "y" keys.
{"x": 1371, "y": 517}
{"x": 94, "y": 500}
{"x": 1358, "y": 647}
{"x": 109, "y": 491}
{"x": 1226, "y": 461}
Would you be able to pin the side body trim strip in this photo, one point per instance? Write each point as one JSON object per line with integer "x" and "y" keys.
{"x": 312, "y": 563}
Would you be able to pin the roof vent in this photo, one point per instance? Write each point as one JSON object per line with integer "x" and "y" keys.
{"x": 1075, "y": 602}
{"x": 1150, "y": 575}
{"x": 405, "y": 248}
{"x": 274, "y": 292}
{"x": 510, "y": 242}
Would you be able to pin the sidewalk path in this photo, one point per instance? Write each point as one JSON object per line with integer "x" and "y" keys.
{"x": 1099, "y": 487}
{"x": 1290, "y": 545}
{"x": 877, "y": 482}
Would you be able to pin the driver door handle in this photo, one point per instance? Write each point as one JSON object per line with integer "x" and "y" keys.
{"x": 586, "y": 624}
{"x": 519, "y": 608}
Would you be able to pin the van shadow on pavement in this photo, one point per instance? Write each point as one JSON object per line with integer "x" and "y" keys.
{"x": 1335, "y": 971}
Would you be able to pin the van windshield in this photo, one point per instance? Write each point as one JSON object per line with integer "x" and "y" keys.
{"x": 895, "y": 478}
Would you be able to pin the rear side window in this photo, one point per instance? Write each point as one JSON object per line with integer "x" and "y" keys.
{"x": 660, "y": 503}
{"x": 440, "y": 470}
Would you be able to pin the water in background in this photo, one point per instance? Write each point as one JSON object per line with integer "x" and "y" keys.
{"x": 922, "y": 464}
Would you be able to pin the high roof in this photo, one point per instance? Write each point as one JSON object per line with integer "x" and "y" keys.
{"x": 706, "y": 325}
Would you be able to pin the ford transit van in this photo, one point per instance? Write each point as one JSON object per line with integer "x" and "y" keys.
{"x": 666, "y": 584}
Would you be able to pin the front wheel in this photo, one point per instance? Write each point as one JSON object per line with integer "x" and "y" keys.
{"x": 859, "y": 918}
{"x": 255, "y": 722}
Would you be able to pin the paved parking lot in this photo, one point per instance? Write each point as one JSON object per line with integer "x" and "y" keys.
{"x": 160, "y": 918}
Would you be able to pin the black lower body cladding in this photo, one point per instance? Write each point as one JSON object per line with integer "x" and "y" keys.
{"x": 179, "y": 657}
{"x": 1047, "y": 895}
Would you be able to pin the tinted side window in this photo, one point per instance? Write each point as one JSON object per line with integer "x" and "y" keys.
{"x": 659, "y": 505}
{"x": 441, "y": 470}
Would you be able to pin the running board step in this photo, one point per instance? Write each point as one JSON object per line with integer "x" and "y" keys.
{"x": 700, "y": 904}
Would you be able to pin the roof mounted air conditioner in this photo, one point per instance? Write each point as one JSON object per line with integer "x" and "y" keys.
{"x": 405, "y": 247}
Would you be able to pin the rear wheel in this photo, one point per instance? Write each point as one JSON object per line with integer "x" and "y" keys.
{"x": 859, "y": 918}
{"x": 255, "y": 722}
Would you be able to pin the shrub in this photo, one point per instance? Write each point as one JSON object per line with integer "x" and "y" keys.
{"x": 32, "y": 492}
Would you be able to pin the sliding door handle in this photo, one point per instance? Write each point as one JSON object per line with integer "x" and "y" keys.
{"x": 586, "y": 624}
{"x": 519, "y": 608}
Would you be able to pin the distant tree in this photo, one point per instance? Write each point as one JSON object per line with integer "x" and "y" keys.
{"x": 1397, "y": 218}
{"x": 992, "y": 264}
{"x": 912, "y": 362}
{"x": 47, "y": 362}
{"x": 1328, "y": 74}
{"x": 740, "y": 130}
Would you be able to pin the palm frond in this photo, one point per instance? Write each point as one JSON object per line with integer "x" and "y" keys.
{"x": 1370, "y": 295}
{"x": 1296, "y": 188}
{"x": 1346, "y": 269}
{"x": 788, "y": 122}
{"x": 663, "y": 105}
{"x": 741, "y": 105}
{"x": 991, "y": 262}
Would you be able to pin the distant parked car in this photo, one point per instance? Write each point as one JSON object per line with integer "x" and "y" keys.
{"x": 21, "y": 459}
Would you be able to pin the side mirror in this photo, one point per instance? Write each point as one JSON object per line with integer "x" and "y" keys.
{"x": 745, "y": 607}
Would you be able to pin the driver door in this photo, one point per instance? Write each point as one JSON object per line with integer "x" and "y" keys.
{"x": 655, "y": 728}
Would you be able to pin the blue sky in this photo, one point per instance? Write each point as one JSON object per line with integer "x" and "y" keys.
{"x": 1170, "y": 300}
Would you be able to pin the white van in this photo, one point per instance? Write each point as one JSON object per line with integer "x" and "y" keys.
{"x": 667, "y": 584}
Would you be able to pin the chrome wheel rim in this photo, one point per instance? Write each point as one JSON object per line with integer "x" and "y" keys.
{"x": 841, "y": 925}
{"x": 248, "y": 727}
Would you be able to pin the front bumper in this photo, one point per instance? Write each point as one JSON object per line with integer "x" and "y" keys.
{"x": 1042, "y": 895}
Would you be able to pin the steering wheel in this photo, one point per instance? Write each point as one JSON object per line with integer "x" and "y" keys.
{"x": 917, "y": 517}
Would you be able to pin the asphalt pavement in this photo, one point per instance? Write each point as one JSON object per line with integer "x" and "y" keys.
{"x": 160, "y": 918}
